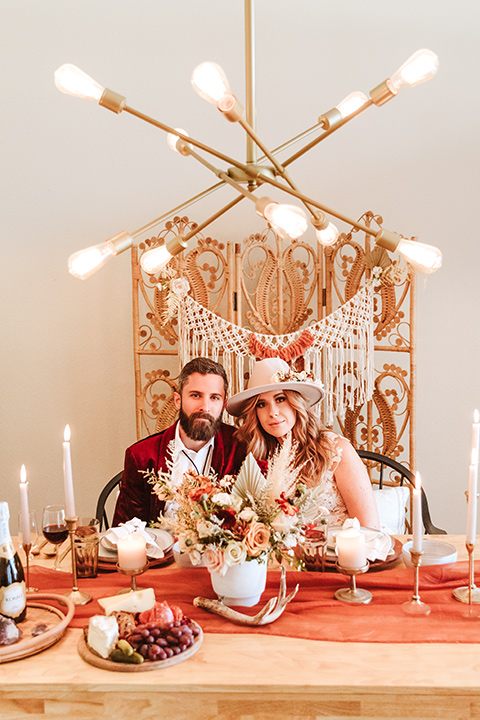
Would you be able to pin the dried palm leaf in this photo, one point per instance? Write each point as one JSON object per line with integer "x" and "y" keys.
{"x": 282, "y": 474}
{"x": 250, "y": 482}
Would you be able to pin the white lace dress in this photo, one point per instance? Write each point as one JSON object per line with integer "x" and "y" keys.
{"x": 331, "y": 498}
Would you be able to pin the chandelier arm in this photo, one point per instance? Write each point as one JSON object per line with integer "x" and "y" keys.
{"x": 293, "y": 140}
{"x": 324, "y": 208}
{"x": 219, "y": 173}
{"x": 185, "y": 138}
{"x": 267, "y": 154}
{"x": 327, "y": 133}
{"x": 179, "y": 208}
{"x": 213, "y": 217}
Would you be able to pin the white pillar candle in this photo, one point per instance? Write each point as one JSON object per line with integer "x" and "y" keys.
{"x": 472, "y": 499}
{"x": 67, "y": 476}
{"x": 132, "y": 551}
{"x": 351, "y": 550}
{"x": 417, "y": 521}
{"x": 24, "y": 510}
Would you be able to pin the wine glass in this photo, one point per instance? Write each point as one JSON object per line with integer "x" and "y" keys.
{"x": 55, "y": 528}
{"x": 28, "y": 547}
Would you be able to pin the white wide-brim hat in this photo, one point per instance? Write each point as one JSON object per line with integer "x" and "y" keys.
{"x": 275, "y": 374}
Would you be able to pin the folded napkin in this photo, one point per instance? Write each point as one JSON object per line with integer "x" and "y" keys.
{"x": 378, "y": 544}
{"x": 134, "y": 526}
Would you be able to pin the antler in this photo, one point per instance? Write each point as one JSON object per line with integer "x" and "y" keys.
{"x": 272, "y": 610}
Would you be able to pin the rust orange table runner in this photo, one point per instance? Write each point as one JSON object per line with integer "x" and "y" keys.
{"x": 314, "y": 613}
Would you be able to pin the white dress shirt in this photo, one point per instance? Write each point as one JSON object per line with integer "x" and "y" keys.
{"x": 185, "y": 459}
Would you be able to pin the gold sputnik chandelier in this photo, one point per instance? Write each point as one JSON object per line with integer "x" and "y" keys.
{"x": 246, "y": 178}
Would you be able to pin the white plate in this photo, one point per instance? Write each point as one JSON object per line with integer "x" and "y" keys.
{"x": 369, "y": 533}
{"x": 163, "y": 539}
{"x": 106, "y": 543}
{"x": 434, "y": 553}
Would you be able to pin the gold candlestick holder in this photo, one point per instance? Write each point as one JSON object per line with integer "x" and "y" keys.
{"x": 415, "y": 606}
{"x": 353, "y": 594}
{"x": 468, "y": 593}
{"x": 26, "y": 548}
{"x": 78, "y": 597}
{"x": 132, "y": 573}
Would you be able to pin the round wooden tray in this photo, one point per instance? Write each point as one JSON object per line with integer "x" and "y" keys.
{"x": 54, "y": 618}
{"x": 94, "y": 659}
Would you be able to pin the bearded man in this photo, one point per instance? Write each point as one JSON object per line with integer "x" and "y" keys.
{"x": 198, "y": 441}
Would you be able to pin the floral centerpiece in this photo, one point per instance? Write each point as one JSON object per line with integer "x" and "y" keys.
{"x": 236, "y": 520}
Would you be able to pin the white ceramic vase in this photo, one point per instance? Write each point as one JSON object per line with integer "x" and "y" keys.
{"x": 242, "y": 584}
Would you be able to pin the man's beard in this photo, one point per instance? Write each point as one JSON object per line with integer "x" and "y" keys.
{"x": 197, "y": 428}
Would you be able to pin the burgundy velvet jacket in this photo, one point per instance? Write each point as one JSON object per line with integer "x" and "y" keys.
{"x": 136, "y": 498}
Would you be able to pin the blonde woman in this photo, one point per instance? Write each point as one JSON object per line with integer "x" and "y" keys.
{"x": 279, "y": 401}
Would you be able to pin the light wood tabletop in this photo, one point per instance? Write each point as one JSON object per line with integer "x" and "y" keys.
{"x": 255, "y": 676}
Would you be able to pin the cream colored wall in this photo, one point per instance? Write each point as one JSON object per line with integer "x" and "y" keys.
{"x": 75, "y": 174}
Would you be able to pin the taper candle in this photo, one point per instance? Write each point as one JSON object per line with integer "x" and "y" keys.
{"x": 417, "y": 522}
{"x": 67, "y": 476}
{"x": 24, "y": 510}
{"x": 475, "y": 435}
{"x": 472, "y": 499}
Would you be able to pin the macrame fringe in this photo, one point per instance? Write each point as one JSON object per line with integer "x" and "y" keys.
{"x": 338, "y": 349}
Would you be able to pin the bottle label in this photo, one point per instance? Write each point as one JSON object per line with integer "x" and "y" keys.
{"x": 12, "y": 599}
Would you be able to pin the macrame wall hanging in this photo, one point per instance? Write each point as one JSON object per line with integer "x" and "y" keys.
{"x": 342, "y": 343}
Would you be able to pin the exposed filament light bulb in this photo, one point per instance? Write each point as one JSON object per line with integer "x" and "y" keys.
{"x": 328, "y": 236}
{"x": 84, "y": 263}
{"x": 326, "y": 232}
{"x": 425, "y": 258}
{"x": 287, "y": 220}
{"x": 419, "y": 67}
{"x": 70, "y": 80}
{"x": 156, "y": 259}
{"x": 351, "y": 103}
{"x": 172, "y": 139}
{"x": 210, "y": 82}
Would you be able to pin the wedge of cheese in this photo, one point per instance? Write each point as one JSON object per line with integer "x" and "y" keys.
{"x": 131, "y": 602}
{"x": 102, "y": 634}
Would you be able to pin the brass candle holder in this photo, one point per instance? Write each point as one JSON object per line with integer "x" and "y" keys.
{"x": 132, "y": 573}
{"x": 469, "y": 593}
{"x": 353, "y": 594}
{"x": 78, "y": 597}
{"x": 415, "y": 606}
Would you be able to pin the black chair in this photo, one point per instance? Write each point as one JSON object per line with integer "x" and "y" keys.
{"x": 101, "y": 513}
{"x": 398, "y": 475}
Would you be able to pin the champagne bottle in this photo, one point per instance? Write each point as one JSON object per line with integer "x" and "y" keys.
{"x": 12, "y": 580}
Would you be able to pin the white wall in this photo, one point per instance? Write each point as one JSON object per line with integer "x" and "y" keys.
{"x": 75, "y": 174}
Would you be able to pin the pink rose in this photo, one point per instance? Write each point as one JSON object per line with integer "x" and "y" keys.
{"x": 214, "y": 560}
{"x": 257, "y": 538}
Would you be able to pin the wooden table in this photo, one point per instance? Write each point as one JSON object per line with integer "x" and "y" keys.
{"x": 254, "y": 676}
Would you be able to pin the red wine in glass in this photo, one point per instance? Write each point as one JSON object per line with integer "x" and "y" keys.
{"x": 55, "y": 534}
{"x": 55, "y": 528}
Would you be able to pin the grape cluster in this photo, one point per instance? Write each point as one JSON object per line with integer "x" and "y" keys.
{"x": 159, "y": 643}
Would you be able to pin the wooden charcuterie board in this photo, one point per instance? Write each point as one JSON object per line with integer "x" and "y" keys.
{"x": 93, "y": 659}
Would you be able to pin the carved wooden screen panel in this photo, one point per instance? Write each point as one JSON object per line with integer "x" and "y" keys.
{"x": 273, "y": 286}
